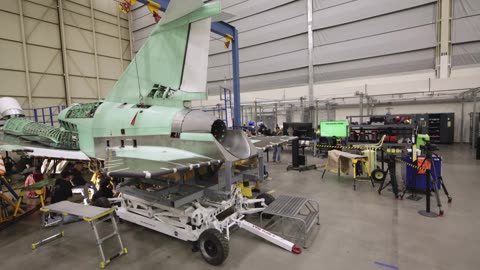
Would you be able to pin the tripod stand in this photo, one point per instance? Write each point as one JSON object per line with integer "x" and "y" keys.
{"x": 429, "y": 148}
{"x": 393, "y": 176}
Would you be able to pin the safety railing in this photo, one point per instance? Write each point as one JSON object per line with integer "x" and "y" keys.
{"x": 45, "y": 115}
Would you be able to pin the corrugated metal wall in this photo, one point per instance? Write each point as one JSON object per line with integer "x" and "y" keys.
{"x": 352, "y": 38}
{"x": 466, "y": 33}
{"x": 42, "y": 36}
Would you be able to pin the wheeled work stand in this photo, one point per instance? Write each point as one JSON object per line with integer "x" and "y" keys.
{"x": 393, "y": 177}
{"x": 93, "y": 215}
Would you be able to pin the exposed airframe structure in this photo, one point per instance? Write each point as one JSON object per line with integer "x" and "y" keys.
{"x": 178, "y": 166}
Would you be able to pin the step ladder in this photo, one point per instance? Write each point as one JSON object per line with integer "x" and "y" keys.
{"x": 300, "y": 212}
{"x": 94, "y": 216}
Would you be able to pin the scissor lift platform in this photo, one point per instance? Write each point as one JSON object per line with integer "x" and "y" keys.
{"x": 303, "y": 213}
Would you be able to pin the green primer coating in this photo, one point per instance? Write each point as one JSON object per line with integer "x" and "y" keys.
{"x": 206, "y": 137}
{"x": 160, "y": 60}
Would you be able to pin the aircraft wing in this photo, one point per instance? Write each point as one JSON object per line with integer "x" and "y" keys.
{"x": 17, "y": 144}
{"x": 153, "y": 161}
{"x": 265, "y": 142}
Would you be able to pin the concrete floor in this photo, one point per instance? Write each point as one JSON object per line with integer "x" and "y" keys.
{"x": 358, "y": 228}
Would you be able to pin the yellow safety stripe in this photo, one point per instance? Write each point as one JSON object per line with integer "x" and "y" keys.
{"x": 99, "y": 216}
{"x": 371, "y": 148}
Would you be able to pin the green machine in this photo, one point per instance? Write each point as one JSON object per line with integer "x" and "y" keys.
{"x": 422, "y": 140}
{"x": 337, "y": 129}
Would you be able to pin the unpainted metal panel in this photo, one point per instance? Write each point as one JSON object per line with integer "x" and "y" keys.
{"x": 269, "y": 49}
{"x": 275, "y": 80}
{"x": 124, "y": 33}
{"x": 83, "y": 87}
{"x": 81, "y": 64}
{"x": 77, "y": 20}
{"x": 106, "y": 28}
{"x": 141, "y": 11}
{"x": 108, "y": 46}
{"x": 9, "y": 5}
{"x": 45, "y": 102}
{"x": 466, "y": 54}
{"x": 44, "y": 60}
{"x": 107, "y": 7}
{"x": 83, "y": 100}
{"x": 466, "y": 29}
{"x": 78, "y": 39}
{"x": 142, "y": 22}
{"x": 13, "y": 83}
{"x": 85, "y": 2}
{"x": 228, "y": 3}
{"x": 248, "y": 8}
{"x": 40, "y": 33}
{"x": 40, "y": 11}
{"x": 13, "y": 30}
{"x": 271, "y": 16}
{"x": 142, "y": 34}
{"x": 323, "y": 4}
{"x": 359, "y": 10}
{"x": 109, "y": 68}
{"x": 388, "y": 43}
{"x": 194, "y": 77}
{"x": 403, "y": 62}
{"x": 462, "y": 8}
{"x": 106, "y": 17}
{"x": 11, "y": 55}
{"x": 44, "y": 85}
{"x": 378, "y": 25}
{"x": 276, "y": 31}
{"x": 123, "y": 21}
{"x": 126, "y": 50}
{"x": 105, "y": 87}
{"x": 282, "y": 62}
{"x": 69, "y": 5}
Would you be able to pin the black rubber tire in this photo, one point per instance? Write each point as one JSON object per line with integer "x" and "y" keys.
{"x": 213, "y": 246}
{"x": 268, "y": 199}
{"x": 378, "y": 175}
{"x": 102, "y": 202}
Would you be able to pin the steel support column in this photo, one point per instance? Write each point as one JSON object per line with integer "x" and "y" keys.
{"x": 119, "y": 29}
{"x": 462, "y": 119}
{"x": 66, "y": 75}
{"x": 310, "y": 52}
{"x": 236, "y": 81}
{"x": 95, "y": 54}
{"x": 25, "y": 55}
{"x": 444, "y": 38}
{"x": 474, "y": 123}
{"x": 130, "y": 35}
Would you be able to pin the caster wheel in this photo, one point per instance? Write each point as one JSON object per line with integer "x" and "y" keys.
{"x": 268, "y": 200}
{"x": 440, "y": 213}
{"x": 378, "y": 175}
{"x": 213, "y": 246}
{"x": 449, "y": 200}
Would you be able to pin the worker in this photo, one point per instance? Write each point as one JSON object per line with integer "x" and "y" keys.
{"x": 33, "y": 175}
{"x": 79, "y": 181}
{"x": 100, "y": 198}
{"x": 277, "y": 130}
{"x": 277, "y": 151}
{"x": 62, "y": 191}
